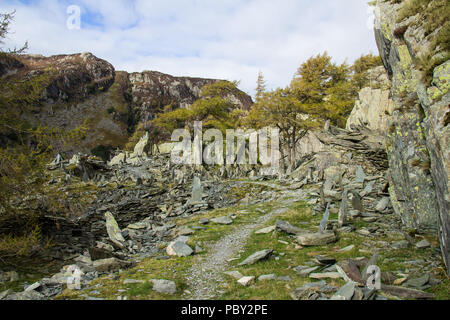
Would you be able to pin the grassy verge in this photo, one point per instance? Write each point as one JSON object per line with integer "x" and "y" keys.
{"x": 290, "y": 255}
{"x": 173, "y": 269}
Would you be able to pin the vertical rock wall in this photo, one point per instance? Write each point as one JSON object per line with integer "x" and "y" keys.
{"x": 418, "y": 132}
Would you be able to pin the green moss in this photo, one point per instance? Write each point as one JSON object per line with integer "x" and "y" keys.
{"x": 108, "y": 288}
{"x": 433, "y": 17}
{"x": 411, "y": 8}
{"x": 386, "y": 31}
{"x": 441, "y": 82}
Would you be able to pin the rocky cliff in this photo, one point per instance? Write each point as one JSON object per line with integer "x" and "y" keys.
{"x": 81, "y": 89}
{"x": 414, "y": 48}
{"x": 374, "y": 105}
{"x": 152, "y": 91}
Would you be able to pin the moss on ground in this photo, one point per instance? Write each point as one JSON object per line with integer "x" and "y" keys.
{"x": 290, "y": 256}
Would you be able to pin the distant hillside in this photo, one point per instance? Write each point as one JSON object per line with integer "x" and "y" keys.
{"x": 83, "y": 89}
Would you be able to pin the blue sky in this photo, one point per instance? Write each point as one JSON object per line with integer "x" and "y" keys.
{"x": 232, "y": 39}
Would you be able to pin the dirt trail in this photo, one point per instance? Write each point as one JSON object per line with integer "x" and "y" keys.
{"x": 204, "y": 278}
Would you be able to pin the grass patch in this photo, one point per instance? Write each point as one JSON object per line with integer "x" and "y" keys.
{"x": 289, "y": 254}
{"x": 110, "y": 288}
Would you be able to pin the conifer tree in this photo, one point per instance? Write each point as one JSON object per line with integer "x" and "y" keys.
{"x": 260, "y": 86}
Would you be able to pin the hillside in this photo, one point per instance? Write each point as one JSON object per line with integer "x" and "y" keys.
{"x": 83, "y": 90}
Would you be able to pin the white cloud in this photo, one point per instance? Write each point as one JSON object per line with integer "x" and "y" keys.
{"x": 217, "y": 39}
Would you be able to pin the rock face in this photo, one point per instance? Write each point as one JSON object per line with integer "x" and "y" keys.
{"x": 81, "y": 89}
{"x": 153, "y": 90}
{"x": 374, "y": 105}
{"x": 418, "y": 135}
{"x": 75, "y": 76}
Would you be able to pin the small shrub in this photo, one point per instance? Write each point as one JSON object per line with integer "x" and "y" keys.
{"x": 22, "y": 246}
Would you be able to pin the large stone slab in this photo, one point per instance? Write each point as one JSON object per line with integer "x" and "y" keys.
{"x": 324, "y": 222}
{"x": 349, "y": 268}
{"x": 179, "y": 248}
{"x": 164, "y": 286}
{"x": 114, "y": 232}
{"x": 345, "y": 293}
{"x": 197, "y": 191}
{"x": 316, "y": 239}
{"x": 406, "y": 293}
{"x": 288, "y": 228}
{"x": 343, "y": 210}
{"x": 266, "y": 230}
{"x": 222, "y": 220}
{"x": 111, "y": 264}
{"x": 246, "y": 281}
{"x": 256, "y": 257}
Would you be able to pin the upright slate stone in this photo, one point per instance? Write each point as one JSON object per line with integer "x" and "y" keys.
{"x": 342, "y": 217}
{"x": 357, "y": 201}
{"x": 114, "y": 232}
{"x": 360, "y": 175}
{"x": 324, "y": 222}
{"x": 197, "y": 190}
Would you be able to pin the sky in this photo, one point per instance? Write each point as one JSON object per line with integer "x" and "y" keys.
{"x": 232, "y": 39}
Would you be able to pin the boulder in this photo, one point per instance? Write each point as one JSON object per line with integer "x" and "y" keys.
{"x": 246, "y": 281}
{"x": 304, "y": 272}
{"x": 423, "y": 244}
{"x": 222, "y": 220}
{"x": 349, "y": 268}
{"x": 345, "y": 293}
{"x": 197, "y": 191}
{"x": 118, "y": 160}
{"x": 256, "y": 257}
{"x": 164, "y": 286}
{"x": 343, "y": 210}
{"x": 179, "y": 249}
{"x": 266, "y": 230}
{"x": 316, "y": 239}
{"x": 373, "y": 106}
{"x": 267, "y": 277}
{"x": 382, "y": 204}
{"x": 142, "y": 147}
{"x": 114, "y": 232}
{"x": 110, "y": 265}
{"x": 288, "y": 228}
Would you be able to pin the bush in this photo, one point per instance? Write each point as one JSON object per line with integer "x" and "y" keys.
{"x": 23, "y": 246}
{"x": 103, "y": 152}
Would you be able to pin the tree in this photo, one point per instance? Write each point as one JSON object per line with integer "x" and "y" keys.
{"x": 360, "y": 68}
{"x": 5, "y": 21}
{"x": 260, "y": 86}
{"x": 282, "y": 109}
{"x": 215, "y": 109}
{"x": 25, "y": 149}
{"x": 325, "y": 88}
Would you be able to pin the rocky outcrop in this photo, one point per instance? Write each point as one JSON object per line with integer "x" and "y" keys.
{"x": 374, "y": 106}
{"x": 418, "y": 133}
{"x": 152, "y": 91}
{"x": 71, "y": 76}
{"x": 83, "y": 90}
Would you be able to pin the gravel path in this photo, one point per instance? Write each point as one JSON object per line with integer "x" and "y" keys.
{"x": 203, "y": 278}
